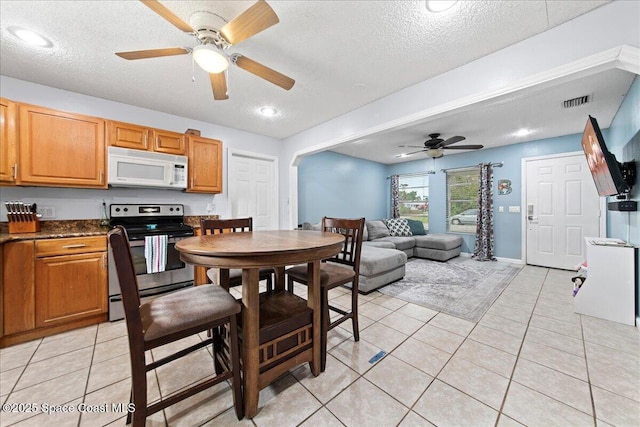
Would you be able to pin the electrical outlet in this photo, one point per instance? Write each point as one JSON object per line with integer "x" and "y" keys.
{"x": 47, "y": 212}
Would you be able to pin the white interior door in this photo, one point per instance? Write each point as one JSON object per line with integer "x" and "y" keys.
{"x": 253, "y": 188}
{"x": 562, "y": 207}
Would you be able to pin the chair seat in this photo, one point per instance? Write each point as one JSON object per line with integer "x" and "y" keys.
{"x": 235, "y": 275}
{"x": 165, "y": 315}
{"x": 330, "y": 274}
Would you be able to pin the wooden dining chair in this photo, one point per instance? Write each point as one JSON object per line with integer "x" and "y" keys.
{"x": 339, "y": 270}
{"x": 235, "y": 225}
{"x": 169, "y": 318}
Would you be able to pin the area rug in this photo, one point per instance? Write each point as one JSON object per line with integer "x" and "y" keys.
{"x": 461, "y": 287}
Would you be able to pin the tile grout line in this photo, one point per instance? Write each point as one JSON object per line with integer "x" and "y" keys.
{"x": 513, "y": 370}
{"x": 586, "y": 361}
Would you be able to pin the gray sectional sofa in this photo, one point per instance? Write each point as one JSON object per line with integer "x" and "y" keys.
{"x": 387, "y": 245}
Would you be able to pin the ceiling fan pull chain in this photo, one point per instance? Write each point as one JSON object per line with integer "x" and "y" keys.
{"x": 193, "y": 70}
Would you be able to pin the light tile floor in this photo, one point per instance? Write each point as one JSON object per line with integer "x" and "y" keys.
{"x": 529, "y": 361}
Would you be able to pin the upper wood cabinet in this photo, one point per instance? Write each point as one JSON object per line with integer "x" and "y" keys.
{"x": 60, "y": 149}
{"x": 8, "y": 141}
{"x": 127, "y": 135}
{"x": 205, "y": 165}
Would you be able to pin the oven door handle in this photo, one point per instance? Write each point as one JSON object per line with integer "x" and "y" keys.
{"x": 137, "y": 243}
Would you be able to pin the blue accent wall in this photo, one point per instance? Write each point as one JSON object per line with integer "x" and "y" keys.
{"x": 337, "y": 185}
{"x": 507, "y": 226}
{"x": 332, "y": 184}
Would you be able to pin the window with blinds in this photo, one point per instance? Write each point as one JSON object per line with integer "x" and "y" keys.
{"x": 413, "y": 197}
{"x": 462, "y": 200}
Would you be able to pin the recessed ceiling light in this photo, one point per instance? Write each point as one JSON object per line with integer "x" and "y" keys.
{"x": 440, "y": 5}
{"x": 268, "y": 111}
{"x": 30, "y": 37}
{"x": 523, "y": 132}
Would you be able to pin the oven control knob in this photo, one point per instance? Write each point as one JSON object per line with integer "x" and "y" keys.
{"x": 117, "y": 209}
{"x": 177, "y": 208}
{"x": 126, "y": 209}
{"x": 171, "y": 209}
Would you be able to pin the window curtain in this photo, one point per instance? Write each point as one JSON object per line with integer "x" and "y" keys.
{"x": 395, "y": 196}
{"x": 484, "y": 224}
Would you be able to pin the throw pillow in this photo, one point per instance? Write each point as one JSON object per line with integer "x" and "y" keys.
{"x": 398, "y": 227}
{"x": 417, "y": 227}
{"x": 377, "y": 229}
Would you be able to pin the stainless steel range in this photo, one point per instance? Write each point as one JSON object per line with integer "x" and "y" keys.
{"x": 141, "y": 221}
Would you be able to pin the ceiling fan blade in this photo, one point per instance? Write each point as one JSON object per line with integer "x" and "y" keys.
{"x": 452, "y": 140}
{"x": 168, "y": 15}
{"x": 263, "y": 72}
{"x": 153, "y": 53}
{"x": 219, "y": 85}
{"x": 464, "y": 147}
{"x": 258, "y": 17}
{"x": 410, "y": 146}
{"x": 414, "y": 152}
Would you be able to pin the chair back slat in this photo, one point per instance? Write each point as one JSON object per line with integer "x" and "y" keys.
{"x": 352, "y": 229}
{"x": 234, "y": 225}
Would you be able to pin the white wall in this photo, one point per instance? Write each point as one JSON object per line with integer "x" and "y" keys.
{"x": 511, "y": 68}
{"x": 85, "y": 204}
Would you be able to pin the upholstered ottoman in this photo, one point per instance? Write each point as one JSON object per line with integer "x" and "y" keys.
{"x": 439, "y": 247}
{"x": 380, "y": 266}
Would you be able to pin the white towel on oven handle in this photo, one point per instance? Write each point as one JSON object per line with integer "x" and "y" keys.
{"x": 155, "y": 253}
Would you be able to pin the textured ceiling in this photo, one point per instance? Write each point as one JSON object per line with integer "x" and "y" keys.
{"x": 495, "y": 122}
{"x": 342, "y": 54}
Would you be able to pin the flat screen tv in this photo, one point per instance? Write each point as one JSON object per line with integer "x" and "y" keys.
{"x": 605, "y": 169}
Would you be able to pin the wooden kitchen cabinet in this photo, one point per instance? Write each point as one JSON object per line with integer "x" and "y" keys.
{"x": 8, "y": 141}
{"x": 52, "y": 285}
{"x": 205, "y": 165}
{"x": 18, "y": 296}
{"x": 127, "y": 135}
{"x": 60, "y": 149}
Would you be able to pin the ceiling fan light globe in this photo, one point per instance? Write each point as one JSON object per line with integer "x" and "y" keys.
{"x": 435, "y": 153}
{"x": 210, "y": 59}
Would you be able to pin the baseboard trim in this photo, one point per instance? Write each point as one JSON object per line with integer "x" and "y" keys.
{"x": 509, "y": 260}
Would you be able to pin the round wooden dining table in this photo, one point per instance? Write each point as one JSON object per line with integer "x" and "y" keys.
{"x": 251, "y": 251}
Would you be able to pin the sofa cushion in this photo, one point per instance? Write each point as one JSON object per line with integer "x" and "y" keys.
{"x": 401, "y": 243}
{"x": 443, "y": 242}
{"x": 398, "y": 226}
{"x": 377, "y": 229}
{"x": 380, "y": 243}
{"x": 417, "y": 227}
{"x": 377, "y": 260}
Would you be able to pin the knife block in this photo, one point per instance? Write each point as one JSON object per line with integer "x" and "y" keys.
{"x": 32, "y": 226}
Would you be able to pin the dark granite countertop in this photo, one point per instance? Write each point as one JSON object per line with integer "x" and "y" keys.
{"x": 74, "y": 228}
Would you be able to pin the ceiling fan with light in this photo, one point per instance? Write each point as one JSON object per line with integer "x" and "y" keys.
{"x": 214, "y": 36}
{"x": 435, "y": 146}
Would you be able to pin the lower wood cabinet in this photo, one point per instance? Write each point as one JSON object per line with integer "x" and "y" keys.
{"x": 70, "y": 287}
{"x": 52, "y": 285}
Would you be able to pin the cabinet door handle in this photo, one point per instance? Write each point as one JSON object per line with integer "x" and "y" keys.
{"x": 15, "y": 171}
{"x": 101, "y": 177}
{"x": 104, "y": 261}
{"x": 79, "y": 245}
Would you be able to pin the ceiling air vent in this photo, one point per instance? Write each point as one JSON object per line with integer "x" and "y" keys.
{"x": 576, "y": 102}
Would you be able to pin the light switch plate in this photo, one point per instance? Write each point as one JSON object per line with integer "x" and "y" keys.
{"x": 514, "y": 209}
{"x": 500, "y": 208}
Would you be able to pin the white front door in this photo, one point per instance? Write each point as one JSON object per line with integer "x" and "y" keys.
{"x": 253, "y": 188}
{"x": 562, "y": 207}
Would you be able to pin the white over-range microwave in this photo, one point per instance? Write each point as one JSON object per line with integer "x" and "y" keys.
{"x": 136, "y": 168}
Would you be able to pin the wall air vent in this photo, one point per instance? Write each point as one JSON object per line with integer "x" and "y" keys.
{"x": 576, "y": 102}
